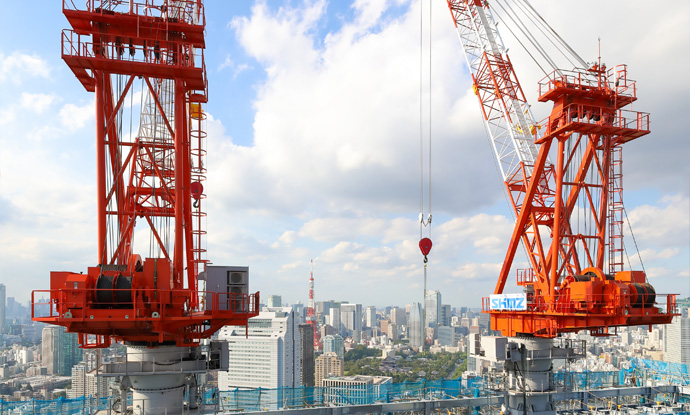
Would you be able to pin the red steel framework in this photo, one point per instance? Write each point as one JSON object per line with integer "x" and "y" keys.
{"x": 311, "y": 316}
{"x": 572, "y": 202}
{"x": 154, "y": 179}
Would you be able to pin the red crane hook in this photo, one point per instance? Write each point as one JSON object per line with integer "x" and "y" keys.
{"x": 425, "y": 247}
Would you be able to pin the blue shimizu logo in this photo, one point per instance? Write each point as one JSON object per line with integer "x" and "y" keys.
{"x": 512, "y": 302}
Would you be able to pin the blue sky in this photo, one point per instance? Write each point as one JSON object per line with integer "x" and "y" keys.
{"x": 314, "y": 148}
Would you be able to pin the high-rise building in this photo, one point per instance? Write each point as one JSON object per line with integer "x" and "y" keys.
{"x": 274, "y": 301}
{"x": 327, "y": 365}
{"x": 334, "y": 344}
{"x": 446, "y": 311}
{"x": 414, "y": 326}
{"x": 334, "y": 319}
{"x": 351, "y": 317}
{"x": 3, "y": 305}
{"x": 433, "y": 308}
{"x": 323, "y": 307}
{"x": 677, "y": 341}
{"x": 307, "y": 363}
{"x": 446, "y": 336}
{"x": 392, "y": 331}
{"x": 370, "y": 317}
{"x": 384, "y": 326}
{"x": 60, "y": 350}
{"x": 298, "y": 308}
{"x": 86, "y": 383}
{"x": 398, "y": 316}
{"x": 268, "y": 357}
{"x": 326, "y": 330}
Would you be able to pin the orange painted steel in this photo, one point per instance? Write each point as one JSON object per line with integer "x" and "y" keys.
{"x": 566, "y": 288}
{"x": 150, "y": 179}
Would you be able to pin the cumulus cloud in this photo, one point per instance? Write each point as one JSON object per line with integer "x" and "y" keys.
{"x": 332, "y": 172}
{"x": 75, "y": 117}
{"x": 665, "y": 225}
{"x": 37, "y": 102}
{"x": 18, "y": 66}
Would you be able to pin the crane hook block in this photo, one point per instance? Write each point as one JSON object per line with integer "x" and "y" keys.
{"x": 425, "y": 246}
{"x": 196, "y": 189}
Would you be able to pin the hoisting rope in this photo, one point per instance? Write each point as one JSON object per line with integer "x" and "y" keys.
{"x": 510, "y": 16}
{"x": 424, "y": 222}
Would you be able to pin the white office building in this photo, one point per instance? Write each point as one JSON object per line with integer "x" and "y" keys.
{"x": 677, "y": 341}
{"x": 334, "y": 320}
{"x": 351, "y": 317}
{"x": 370, "y": 317}
{"x": 269, "y": 357}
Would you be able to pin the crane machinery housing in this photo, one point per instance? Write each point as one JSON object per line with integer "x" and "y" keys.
{"x": 576, "y": 280}
{"x": 153, "y": 178}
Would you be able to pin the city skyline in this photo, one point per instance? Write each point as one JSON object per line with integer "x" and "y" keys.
{"x": 313, "y": 149}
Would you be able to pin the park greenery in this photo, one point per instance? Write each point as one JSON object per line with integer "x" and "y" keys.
{"x": 364, "y": 361}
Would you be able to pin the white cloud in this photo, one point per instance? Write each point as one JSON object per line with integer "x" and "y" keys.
{"x": 7, "y": 115}
{"x": 667, "y": 225}
{"x": 332, "y": 172}
{"x": 74, "y": 117}
{"x": 18, "y": 66}
{"x": 37, "y": 102}
{"x": 227, "y": 63}
{"x": 653, "y": 255}
{"x": 475, "y": 270}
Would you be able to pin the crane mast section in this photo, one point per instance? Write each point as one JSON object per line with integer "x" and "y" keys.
{"x": 506, "y": 113}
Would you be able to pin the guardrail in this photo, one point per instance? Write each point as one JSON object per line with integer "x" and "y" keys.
{"x": 186, "y": 11}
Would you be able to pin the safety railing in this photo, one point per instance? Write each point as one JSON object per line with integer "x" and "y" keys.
{"x": 173, "y": 54}
{"x": 615, "y": 79}
{"x": 598, "y": 117}
{"x": 262, "y": 399}
{"x": 142, "y": 303}
{"x": 185, "y": 11}
{"x": 525, "y": 276}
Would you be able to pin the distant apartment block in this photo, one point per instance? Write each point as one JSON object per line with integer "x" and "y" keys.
{"x": 327, "y": 365}
{"x": 87, "y": 383}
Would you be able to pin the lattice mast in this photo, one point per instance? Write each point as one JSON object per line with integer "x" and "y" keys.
{"x": 571, "y": 201}
{"x": 311, "y": 315}
{"x": 154, "y": 179}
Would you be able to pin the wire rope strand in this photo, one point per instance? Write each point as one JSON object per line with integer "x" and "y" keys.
{"x": 520, "y": 42}
{"x": 627, "y": 219}
{"x": 421, "y": 124}
{"x": 430, "y": 112}
{"x": 539, "y": 27}
{"x": 528, "y": 35}
{"x": 562, "y": 41}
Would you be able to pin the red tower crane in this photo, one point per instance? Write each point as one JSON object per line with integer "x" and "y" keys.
{"x": 571, "y": 283}
{"x": 152, "y": 179}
